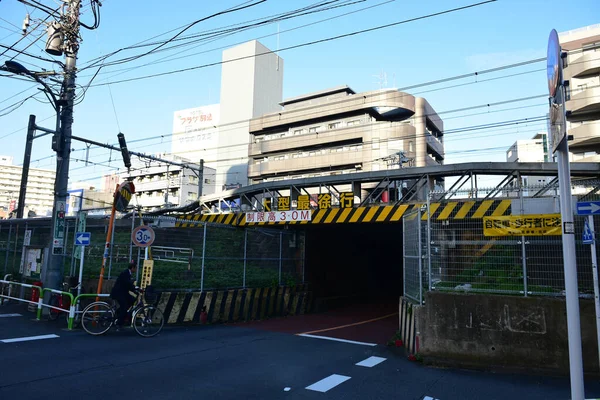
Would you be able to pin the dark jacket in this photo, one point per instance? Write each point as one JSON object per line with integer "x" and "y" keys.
{"x": 123, "y": 285}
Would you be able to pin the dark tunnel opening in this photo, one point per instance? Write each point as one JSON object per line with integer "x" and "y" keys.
{"x": 354, "y": 264}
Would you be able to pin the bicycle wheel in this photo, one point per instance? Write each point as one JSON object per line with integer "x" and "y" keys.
{"x": 97, "y": 318}
{"x": 53, "y": 313}
{"x": 148, "y": 321}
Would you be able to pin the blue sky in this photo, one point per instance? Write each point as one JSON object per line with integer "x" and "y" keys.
{"x": 486, "y": 36}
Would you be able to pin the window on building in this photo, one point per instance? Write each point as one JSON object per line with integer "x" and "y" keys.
{"x": 334, "y": 125}
{"x": 192, "y": 196}
{"x": 591, "y": 47}
{"x": 353, "y": 122}
{"x": 298, "y": 132}
{"x": 411, "y": 146}
{"x": 313, "y": 129}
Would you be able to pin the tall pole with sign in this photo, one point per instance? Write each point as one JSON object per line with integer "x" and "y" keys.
{"x": 558, "y": 130}
{"x": 589, "y": 209}
{"x": 121, "y": 201}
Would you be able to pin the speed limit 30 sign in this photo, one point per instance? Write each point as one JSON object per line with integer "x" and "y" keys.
{"x": 142, "y": 236}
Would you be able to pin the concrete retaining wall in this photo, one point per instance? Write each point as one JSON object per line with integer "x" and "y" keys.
{"x": 502, "y": 331}
{"x": 234, "y": 305}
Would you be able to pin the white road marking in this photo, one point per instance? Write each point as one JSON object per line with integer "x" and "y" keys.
{"x": 10, "y": 315}
{"x": 337, "y": 340}
{"x": 328, "y": 383}
{"x": 29, "y": 338}
{"x": 287, "y": 389}
{"x": 429, "y": 398}
{"x": 371, "y": 362}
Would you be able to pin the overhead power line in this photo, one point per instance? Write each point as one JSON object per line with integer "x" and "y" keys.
{"x": 302, "y": 44}
{"x": 178, "y": 56}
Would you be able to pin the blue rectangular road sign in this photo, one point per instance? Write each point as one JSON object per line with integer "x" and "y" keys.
{"x": 588, "y": 235}
{"x": 588, "y": 208}
{"x": 83, "y": 238}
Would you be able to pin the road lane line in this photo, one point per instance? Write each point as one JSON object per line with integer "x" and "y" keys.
{"x": 336, "y": 339}
{"x": 328, "y": 383}
{"x": 349, "y": 325}
{"x": 29, "y": 338}
{"x": 371, "y": 362}
{"x": 10, "y": 315}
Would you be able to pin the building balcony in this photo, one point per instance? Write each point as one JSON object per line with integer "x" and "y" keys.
{"x": 586, "y": 137}
{"x": 397, "y": 106}
{"x": 586, "y": 65}
{"x": 293, "y": 165}
{"x": 585, "y": 102}
{"x": 156, "y": 185}
{"x": 307, "y": 140}
{"x": 431, "y": 162}
{"x": 157, "y": 201}
{"x": 434, "y": 144}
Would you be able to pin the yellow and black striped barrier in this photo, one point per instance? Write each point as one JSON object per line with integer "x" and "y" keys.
{"x": 234, "y": 304}
{"x": 440, "y": 211}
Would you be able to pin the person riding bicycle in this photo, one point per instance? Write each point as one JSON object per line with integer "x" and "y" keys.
{"x": 121, "y": 289}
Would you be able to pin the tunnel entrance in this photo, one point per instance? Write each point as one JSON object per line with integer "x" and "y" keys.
{"x": 353, "y": 264}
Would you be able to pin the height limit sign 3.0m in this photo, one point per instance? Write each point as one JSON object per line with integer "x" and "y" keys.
{"x": 143, "y": 236}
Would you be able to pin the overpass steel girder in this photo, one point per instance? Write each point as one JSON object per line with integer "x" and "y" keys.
{"x": 249, "y": 198}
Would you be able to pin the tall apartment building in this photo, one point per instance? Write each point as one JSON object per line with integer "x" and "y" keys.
{"x": 40, "y": 188}
{"x": 158, "y": 185}
{"x": 535, "y": 149}
{"x": 338, "y": 131}
{"x": 582, "y": 71}
{"x": 251, "y": 85}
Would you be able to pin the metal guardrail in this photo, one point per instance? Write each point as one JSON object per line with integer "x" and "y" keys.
{"x": 73, "y": 307}
{"x": 24, "y": 285}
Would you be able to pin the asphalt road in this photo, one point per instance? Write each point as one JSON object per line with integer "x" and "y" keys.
{"x": 233, "y": 362}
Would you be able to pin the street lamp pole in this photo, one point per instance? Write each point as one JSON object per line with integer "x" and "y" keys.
{"x": 18, "y": 69}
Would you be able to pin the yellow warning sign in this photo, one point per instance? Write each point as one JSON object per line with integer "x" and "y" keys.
{"x": 147, "y": 273}
{"x": 522, "y": 225}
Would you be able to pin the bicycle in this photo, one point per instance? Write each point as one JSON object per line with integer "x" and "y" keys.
{"x": 147, "y": 320}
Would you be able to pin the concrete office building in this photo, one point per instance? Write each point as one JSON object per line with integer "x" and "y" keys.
{"x": 40, "y": 188}
{"x": 83, "y": 197}
{"x": 535, "y": 149}
{"x": 338, "y": 131}
{"x": 251, "y": 85}
{"x": 583, "y": 93}
{"x": 158, "y": 185}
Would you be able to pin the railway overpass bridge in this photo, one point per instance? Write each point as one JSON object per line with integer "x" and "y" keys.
{"x": 353, "y": 224}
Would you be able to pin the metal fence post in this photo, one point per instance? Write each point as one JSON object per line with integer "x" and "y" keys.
{"x": 280, "y": 254}
{"x": 428, "y": 236}
{"x": 420, "y": 258}
{"x": 245, "y": 256}
{"x": 7, "y": 247}
{"x": 73, "y": 246}
{"x": 523, "y": 249}
{"x": 203, "y": 256}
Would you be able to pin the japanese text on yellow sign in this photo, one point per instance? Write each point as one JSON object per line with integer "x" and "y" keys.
{"x": 522, "y": 225}
{"x": 346, "y": 200}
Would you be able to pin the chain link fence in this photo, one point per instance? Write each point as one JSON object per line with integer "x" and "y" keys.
{"x": 518, "y": 253}
{"x": 206, "y": 256}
